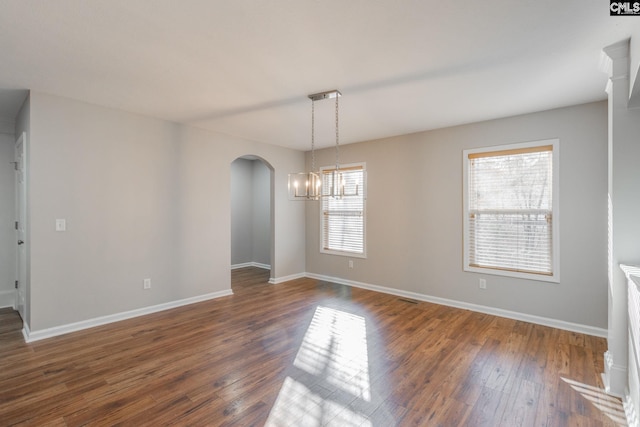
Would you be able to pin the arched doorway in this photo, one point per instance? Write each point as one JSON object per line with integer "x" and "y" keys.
{"x": 252, "y": 214}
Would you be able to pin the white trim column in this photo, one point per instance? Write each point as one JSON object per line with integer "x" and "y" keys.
{"x": 624, "y": 208}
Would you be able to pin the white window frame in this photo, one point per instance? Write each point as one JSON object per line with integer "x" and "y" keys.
{"x": 555, "y": 211}
{"x": 364, "y": 215}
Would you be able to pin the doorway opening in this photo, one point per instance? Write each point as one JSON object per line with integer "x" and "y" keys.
{"x": 252, "y": 242}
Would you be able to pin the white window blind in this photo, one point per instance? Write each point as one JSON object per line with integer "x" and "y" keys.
{"x": 510, "y": 210}
{"x": 342, "y": 222}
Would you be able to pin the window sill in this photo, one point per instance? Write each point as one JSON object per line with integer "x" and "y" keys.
{"x": 344, "y": 254}
{"x": 555, "y": 278}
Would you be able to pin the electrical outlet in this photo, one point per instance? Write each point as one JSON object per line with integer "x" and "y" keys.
{"x": 482, "y": 283}
{"x": 350, "y": 263}
{"x": 147, "y": 284}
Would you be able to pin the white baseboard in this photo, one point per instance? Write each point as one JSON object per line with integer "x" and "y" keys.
{"x": 8, "y": 299}
{"x": 276, "y": 280}
{"x": 544, "y": 321}
{"x": 631, "y": 412}
{"x": 251, "y": 264}
{"x": 614, "y": 377}
{"x": 25, "y": 331}
{"x": 30, "y": 336}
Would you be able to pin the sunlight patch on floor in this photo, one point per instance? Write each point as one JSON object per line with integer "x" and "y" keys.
{"x": 335, "y": 348}
{"x": 608, "y": 405}
{"x": 297, "y": 405}
{"x": 334, "y": 374}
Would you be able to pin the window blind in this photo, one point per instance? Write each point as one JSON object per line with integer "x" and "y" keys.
{"x": 343, "y": 218}
{"x": 510, "y": 210}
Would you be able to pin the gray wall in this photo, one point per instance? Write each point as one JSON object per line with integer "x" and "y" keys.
{"x": 414, "y": 216}
{"x": 7, "y": 218}
{"x": 261, "y": 214}
{"x": 143, "y": 198}
{"x": 241, "y": 211}
{"x": 250, "y": 212}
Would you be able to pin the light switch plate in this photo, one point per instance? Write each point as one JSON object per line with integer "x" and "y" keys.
{"x": 61, "y": 225}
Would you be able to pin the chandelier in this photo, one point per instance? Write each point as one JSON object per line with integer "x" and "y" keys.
{"x": 315, "y": 185}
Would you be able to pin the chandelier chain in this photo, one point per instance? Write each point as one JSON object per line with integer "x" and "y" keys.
{"x": 337, "y": 137}
{"x": 313, "y": 154}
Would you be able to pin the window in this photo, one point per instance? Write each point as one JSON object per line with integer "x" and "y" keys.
{"x": 343, "y": 219}
{"x": 511, "y": 210}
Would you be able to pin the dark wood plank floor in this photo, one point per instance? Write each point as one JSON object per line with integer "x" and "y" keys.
{"x": 305, "y": 353}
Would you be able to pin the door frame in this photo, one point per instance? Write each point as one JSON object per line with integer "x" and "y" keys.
{"x": 20, "y": 155}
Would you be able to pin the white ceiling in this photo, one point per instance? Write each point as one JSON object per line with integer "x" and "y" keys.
{"x": 245, "y": 67}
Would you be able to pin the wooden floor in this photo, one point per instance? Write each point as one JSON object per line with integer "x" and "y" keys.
{"x": 305, "y": 353}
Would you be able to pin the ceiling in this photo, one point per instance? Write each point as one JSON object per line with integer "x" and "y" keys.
{"x": 245, "y": 67}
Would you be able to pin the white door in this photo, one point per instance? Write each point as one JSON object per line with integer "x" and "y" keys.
{"x": 21, "y": 216}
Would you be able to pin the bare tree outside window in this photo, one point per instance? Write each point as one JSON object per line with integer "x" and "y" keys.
{"x": 510, "y": 210}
